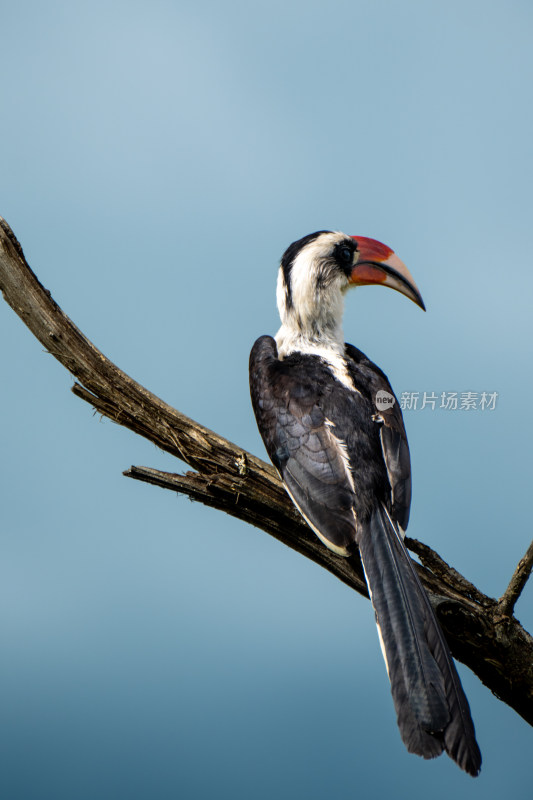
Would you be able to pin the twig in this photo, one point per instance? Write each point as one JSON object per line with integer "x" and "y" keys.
{"x": 278, "y": 519}
{"x": 507, "y": 601}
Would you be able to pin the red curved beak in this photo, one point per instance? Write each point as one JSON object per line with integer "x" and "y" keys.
{"x": 378, "y": 264}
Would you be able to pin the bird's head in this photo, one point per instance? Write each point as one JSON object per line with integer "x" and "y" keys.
{"x": 316, "y": 271}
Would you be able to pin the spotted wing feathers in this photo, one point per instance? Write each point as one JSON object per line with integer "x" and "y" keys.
{"x": 306, "y": 449}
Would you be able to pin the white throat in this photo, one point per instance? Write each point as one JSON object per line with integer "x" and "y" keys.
{"x": 329, "y": 347}
{"x": 292, "y": 339}
{"x": 311, "y": 323}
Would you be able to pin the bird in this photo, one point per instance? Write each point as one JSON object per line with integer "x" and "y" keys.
{"x": 333, "y": 428}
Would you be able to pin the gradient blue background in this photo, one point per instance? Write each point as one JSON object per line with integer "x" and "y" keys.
{"x": 157, "y": 158}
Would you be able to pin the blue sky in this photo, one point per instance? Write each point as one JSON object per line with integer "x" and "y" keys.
{"x": 157, "y": 160}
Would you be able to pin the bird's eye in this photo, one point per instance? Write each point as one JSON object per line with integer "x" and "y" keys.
{"x": 346, "y": 255}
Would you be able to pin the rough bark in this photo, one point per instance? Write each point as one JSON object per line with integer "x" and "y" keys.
{"x": 481, "y": 630}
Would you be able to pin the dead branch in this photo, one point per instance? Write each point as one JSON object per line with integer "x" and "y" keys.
{"x": 507, "y": 601}
{"x": 481, "y": 631}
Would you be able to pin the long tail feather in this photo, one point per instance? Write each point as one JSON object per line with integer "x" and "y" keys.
{"x": 432, "y": 709}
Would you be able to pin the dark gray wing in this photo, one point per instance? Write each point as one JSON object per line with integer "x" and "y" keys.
{"x": 303, "y": 443}
{"x": 392, "y": 434}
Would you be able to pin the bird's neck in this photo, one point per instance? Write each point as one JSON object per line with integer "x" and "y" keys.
{"x": 318, "y": 337}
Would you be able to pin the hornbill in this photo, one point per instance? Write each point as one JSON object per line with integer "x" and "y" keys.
{"x": 342, "y": 453}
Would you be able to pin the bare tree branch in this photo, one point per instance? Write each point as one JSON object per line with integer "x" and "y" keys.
{"x": 442, "y": 570}
{"x": 480, "y": 630}
{"x": 273, "y": 513}
{"x": 507, "y": 601}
